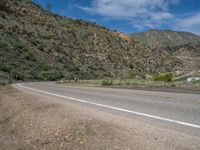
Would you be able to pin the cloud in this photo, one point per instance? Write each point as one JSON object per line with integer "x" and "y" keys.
{"x": 140, "y": 13}
{"x": 190, "y": 23}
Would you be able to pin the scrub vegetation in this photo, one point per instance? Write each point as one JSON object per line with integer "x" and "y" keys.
{"x": 36, "y": 45}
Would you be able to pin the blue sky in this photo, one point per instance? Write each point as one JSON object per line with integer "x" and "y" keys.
{"x": 132, "y": 15}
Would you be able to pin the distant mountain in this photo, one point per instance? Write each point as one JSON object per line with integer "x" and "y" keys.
{"x": 38, "y": 45}
{"x": 184, "y": 46}
{"x": 166, "y": 38}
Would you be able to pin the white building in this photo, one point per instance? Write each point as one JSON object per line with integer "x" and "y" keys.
{"x": 190, "y": 79}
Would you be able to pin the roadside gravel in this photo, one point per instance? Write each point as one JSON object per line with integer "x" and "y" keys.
{"x": 34, "y": 121}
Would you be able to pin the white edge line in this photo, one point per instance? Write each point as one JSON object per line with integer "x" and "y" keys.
{"x": 114, "y": 108}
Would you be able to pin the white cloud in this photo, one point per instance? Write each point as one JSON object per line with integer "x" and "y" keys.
{"x": 140, "y": 13}
{"x": 191, "y": 23}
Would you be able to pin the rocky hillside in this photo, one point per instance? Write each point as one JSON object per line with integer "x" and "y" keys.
{"x": 166, "y": 38}
{"x": 184, "y": 46}
{"x": 38, "y": 45}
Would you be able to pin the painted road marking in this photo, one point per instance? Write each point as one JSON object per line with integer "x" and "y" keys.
{"x": 114, "y": 108}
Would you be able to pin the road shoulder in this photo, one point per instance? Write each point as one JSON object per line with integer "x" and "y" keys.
{"x": 35, "y": 121}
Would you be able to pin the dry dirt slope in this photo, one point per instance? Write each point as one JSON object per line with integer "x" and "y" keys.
{"x": 32, "y": 121}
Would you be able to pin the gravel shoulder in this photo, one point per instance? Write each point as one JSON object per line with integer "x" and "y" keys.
{"x": 162, "y": 89}
{"x": 30, "y": 120}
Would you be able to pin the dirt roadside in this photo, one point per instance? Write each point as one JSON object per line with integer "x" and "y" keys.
{"x": 162, "y": 89}
{"x": 34, "y": 121}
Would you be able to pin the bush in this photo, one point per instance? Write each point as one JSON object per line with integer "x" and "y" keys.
{"x": 17, "y": 74}
{"x": 29, "y": 56}
{"x": 4, "y": 5}
{"x": 21, "y": 74}
{"x": 52, "y": 75}
{"x": 164, "y": 77}
{"x": 107, "y": 82}
{"x": 4, "y": 67}
{"x": 48, "y": 36}
{"x": 196, "y": 82}
{"x": 131, "y": 75}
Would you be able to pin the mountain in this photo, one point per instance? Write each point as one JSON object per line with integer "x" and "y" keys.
{"x": 184, "y": 46}
{"x": 38, "y": 45}
{"x": 166, "y": 38}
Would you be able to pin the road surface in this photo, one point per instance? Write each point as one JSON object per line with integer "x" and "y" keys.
{"x": 176, "y": 111}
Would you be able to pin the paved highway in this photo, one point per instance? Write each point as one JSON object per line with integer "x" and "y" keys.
{"x": 175, "y": 111}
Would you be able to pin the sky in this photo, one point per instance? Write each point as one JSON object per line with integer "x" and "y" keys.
{"x": 132, "y": 16}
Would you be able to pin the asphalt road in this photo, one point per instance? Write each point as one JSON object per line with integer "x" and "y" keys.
{"x": 175, "y": 111}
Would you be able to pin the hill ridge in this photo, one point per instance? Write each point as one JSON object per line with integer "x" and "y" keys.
{"x": 38, "y": 45}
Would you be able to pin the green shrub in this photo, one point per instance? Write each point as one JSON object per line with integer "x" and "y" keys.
{"x": 29, "y": 56}
{"x": 17, "y": 74}
{"x": 131, "y": 75}
{"x": 4, "y": 5}
{"x": 107, "y": 82}
{"x": 48, "y": 36}
{"x": 196, "y": 82}
{"x": 167, "y": 77}
{"x": 4, "y": 67}
{"x": 21, "y": 47}
{"x": 52, "y": 75}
